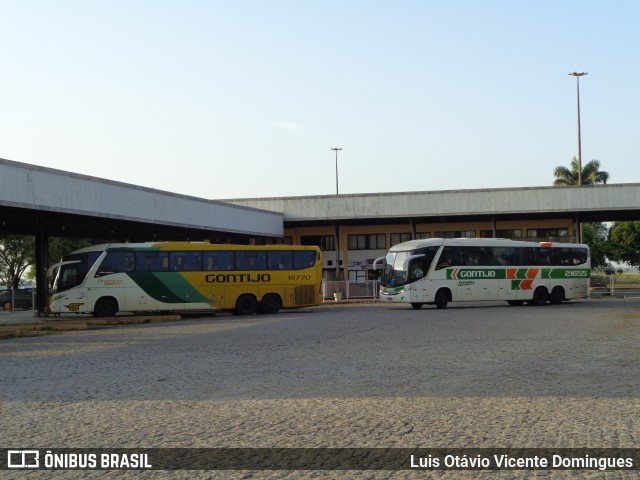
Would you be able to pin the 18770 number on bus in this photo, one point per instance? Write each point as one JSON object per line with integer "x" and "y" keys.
{"x": 297, "y": 278}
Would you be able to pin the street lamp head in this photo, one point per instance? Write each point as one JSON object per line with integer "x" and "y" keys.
{"x": 578, "y": 74}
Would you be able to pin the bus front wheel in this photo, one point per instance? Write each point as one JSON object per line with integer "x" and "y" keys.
{"x": 417, "y": 306}
{"x": 442, "y": 299}
{"x": 270, "y": 303}
{"x": 246, "y": 305}
{"x": 105, "y": 307}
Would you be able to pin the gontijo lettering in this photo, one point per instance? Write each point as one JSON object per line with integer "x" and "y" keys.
{"x": 488, "y": 273}
{"x": 238, "y": 277}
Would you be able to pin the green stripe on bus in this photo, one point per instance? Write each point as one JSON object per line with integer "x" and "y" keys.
{"x": 167, "y": 287}
{"x": 521, "y": 273}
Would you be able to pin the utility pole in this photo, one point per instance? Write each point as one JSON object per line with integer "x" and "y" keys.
{"x": 336, "y": 150}
{"x": 578, "y": 75}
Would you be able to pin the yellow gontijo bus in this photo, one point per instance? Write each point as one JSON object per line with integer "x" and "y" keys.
{"x": 438, "y": 271}
{"x": 178, "y": 276}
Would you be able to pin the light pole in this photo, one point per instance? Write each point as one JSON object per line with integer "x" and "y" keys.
{"x": 336, "y": 150}
{"x": 578, "y": 75}
{"x": 336, "y": 226}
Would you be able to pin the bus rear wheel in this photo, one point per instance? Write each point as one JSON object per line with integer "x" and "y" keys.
{"x": 557, "y": 296}
{"x": 540, "y": 297}
{"x": 417, "y": 306}
{"x": 270, "y": 303}
{"x": 105, "y": 307}
{"x": 246, "y": 305}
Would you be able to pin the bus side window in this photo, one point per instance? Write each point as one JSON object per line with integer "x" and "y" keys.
{"x": 193, "y": 261}
{"x": 450, "y": 256}
{"x": 475, "y": 256}
{"x": 177, "y": 261}
{"x": 198, "y": 260}
{"x": 524, "y": 256}
{"x": 562, "y": 256}
{"x": 542, "y": 257}
{"x": 251, "y": 260}
{"x": 190, "y": 261}
{"x": 219, "y": 260}
{"x": 303, "y": 259}
{"x": 152, "y": 261}
{"x": 279, "y": 260}
{"x": 579, "y": 256}
{"x": 207, "y": 261}
{"x": 570, "y": 256}
{"x": 501, "y": 255}
{"x": 116, "y": 262}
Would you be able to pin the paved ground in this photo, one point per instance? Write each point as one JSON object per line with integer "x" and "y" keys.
{"x": 335, "y": 376}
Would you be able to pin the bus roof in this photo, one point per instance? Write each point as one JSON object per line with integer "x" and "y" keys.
{"x": 182, "y": 246}
{"x": 478, "y": 242}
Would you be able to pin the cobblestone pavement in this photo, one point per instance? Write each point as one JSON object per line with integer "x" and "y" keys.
{"x": 364, "y": 375}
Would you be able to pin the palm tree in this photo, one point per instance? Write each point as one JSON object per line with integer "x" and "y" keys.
{"x": 591, "y": 174}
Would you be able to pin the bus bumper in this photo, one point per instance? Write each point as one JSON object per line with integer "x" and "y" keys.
{"x": 397, "y": 295}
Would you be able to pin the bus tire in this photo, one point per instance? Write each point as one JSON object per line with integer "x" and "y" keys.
{"x": 540, "y": 297}
{"x": 105, "y": 307}
{"x": 442, "y": 298}
{"x": 515, "y": 303}
{"x": 246, "y": 304}
{"x": 270, "y": 303}
{"x": 417, "y": 306}
{"x": 557, "y": 296}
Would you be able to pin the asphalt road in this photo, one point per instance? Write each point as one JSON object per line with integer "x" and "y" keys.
{"x": 364, "y": 375}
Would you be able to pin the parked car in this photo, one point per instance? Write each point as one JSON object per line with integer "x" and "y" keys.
{"x": 22, "y": 298}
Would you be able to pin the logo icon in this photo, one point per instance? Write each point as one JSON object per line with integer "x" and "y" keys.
{"x": 23, "y": 458}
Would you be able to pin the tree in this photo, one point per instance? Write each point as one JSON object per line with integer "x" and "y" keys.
{"x": 59, "y": 246}
{"x": 625, "y": 237}
{"x": 17, "y": 253}
{"x": 596, "y": 236}
{"x": 591, "y": 174}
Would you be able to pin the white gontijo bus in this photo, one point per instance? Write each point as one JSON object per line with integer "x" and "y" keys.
{"x": 438, "y": 271}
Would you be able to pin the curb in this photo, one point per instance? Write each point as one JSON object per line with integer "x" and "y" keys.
{"x": 48, "y": 326}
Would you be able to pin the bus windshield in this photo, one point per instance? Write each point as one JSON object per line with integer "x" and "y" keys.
{"x": 73, "y": 270}
{"x": 407, "y": 266}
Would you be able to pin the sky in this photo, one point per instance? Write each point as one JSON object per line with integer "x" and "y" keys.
{"x": 246, "y": 98}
